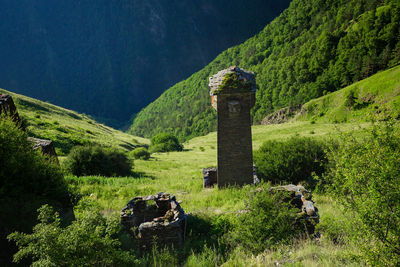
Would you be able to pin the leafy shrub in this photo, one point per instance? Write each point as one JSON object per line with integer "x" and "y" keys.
{"x": 89, "y": 241}
{"x": 165, "y": 142}
{"x": 293, "y": 160}
{"x": 140, "y": 153}
{"x": 95, "y": 160}
{"x": 365, "y": 175}
{"x": 27, "y": 181}
{"x": 268, "y": 221}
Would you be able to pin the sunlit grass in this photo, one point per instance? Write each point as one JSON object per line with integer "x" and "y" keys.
{"x": 67, "y": 128}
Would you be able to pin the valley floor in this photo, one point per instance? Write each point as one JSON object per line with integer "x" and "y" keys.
{"x": 180, "y": 173}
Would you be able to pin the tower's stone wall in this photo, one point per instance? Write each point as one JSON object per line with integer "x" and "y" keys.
{"x": 233, "y": 104}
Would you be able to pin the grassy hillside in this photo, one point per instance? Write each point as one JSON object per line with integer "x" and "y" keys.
{"x": 67, "y": 128}
{"x": 378, "y": 95}
{"x": 312, "y": 48}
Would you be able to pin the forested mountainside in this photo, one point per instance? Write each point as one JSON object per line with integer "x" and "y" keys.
{"x": 314, "y": 47}
{"x": 110, "y": 58}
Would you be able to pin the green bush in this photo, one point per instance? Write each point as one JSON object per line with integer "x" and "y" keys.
{"x": 365, "y": 176}
{"x": 95, "y": 160}
{"x": 140, "y": 153}
{"x": 165, "y": 142}
{"x": 91, "y": 240}
{"x": 27, "y": 181}
{"x": 292, "y": 161}
{"x": 267, "y": 222}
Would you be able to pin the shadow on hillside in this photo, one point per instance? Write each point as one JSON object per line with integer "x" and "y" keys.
{"x": 138, "y": 174}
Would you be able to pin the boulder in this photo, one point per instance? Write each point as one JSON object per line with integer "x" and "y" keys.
{"x": 45, "y": 146}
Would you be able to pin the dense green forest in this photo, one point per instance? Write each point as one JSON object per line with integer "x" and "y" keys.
{"x": 311, "y": 49}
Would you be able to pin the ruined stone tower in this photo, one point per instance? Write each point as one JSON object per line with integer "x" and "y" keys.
{"x": 233, "y": 95}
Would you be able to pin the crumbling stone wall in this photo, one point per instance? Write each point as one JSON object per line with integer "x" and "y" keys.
{"x": 302, "y": 199}
{"x": 233, "y": 95}
{"x": 161, "y": 224}
{"x": 210, "y": 177}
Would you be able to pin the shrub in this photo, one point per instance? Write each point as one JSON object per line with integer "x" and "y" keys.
{"x": 293, "y": 160}
{"x": 365, "y": 175}
{"x": 89, "y": 241}
{"x": 164, "y": 142}
{"x": 95, "y": 160}
{"x": 140, "y": 153}
{"x": 27, "y": 181}
{"x": 267, "y": 222}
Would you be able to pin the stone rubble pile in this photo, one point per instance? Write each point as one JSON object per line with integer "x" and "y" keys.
{"x": 160, "y": 224}
{"x": 301, "y": 199}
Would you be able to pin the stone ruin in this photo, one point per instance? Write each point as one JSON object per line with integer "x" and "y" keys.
{"x": 160, "y": 224}
{"x": 233, "y": 95}
{"x": 45, "y": 146}
{"x": 301, "y": 198}
{"x": 210, "y": 176}
{"x": 8, "y": 108}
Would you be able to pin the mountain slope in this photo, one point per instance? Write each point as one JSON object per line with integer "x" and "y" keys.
{"x": 110, "y": 58}
{"x": 378, "y": 95}
{"x": 67, "y": 128}
{"x": 312, "y": 48}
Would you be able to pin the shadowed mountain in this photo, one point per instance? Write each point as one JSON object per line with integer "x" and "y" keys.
{"x": 111, "y": 58}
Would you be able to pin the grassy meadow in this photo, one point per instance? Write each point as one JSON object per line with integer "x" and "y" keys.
{"x": 180, "y": 173}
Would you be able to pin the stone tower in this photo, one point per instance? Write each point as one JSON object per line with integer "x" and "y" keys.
{"x": 232, "y": 96}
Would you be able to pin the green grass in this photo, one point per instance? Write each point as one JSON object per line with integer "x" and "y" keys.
{"x": 67, "y": 128}
{"x": 180, "y": 173}
{"x": 378, "y": 95}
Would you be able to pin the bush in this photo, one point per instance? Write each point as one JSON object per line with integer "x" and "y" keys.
{"x": 267, "y": 222}
{"x": 140, "y": 153}
{"x": 164, "y": 142}
{"x": 89, "y": 241}
{"x": 292, "y": 161}
{"x": 365, "y": 176}
{"x": 27, "y": 181}
{"x": 95, "y": 160}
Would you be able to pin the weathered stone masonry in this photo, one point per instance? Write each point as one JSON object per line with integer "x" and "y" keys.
{"x": 233, "y": 95}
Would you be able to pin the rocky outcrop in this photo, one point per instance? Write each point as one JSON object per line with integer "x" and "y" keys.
{"x": 160, "y": 224}
{"x": 301, "y": 199}
{"x": 8, "y": 108}
{"x": 45, "y": 146}
{"x": 281, "y": 115}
